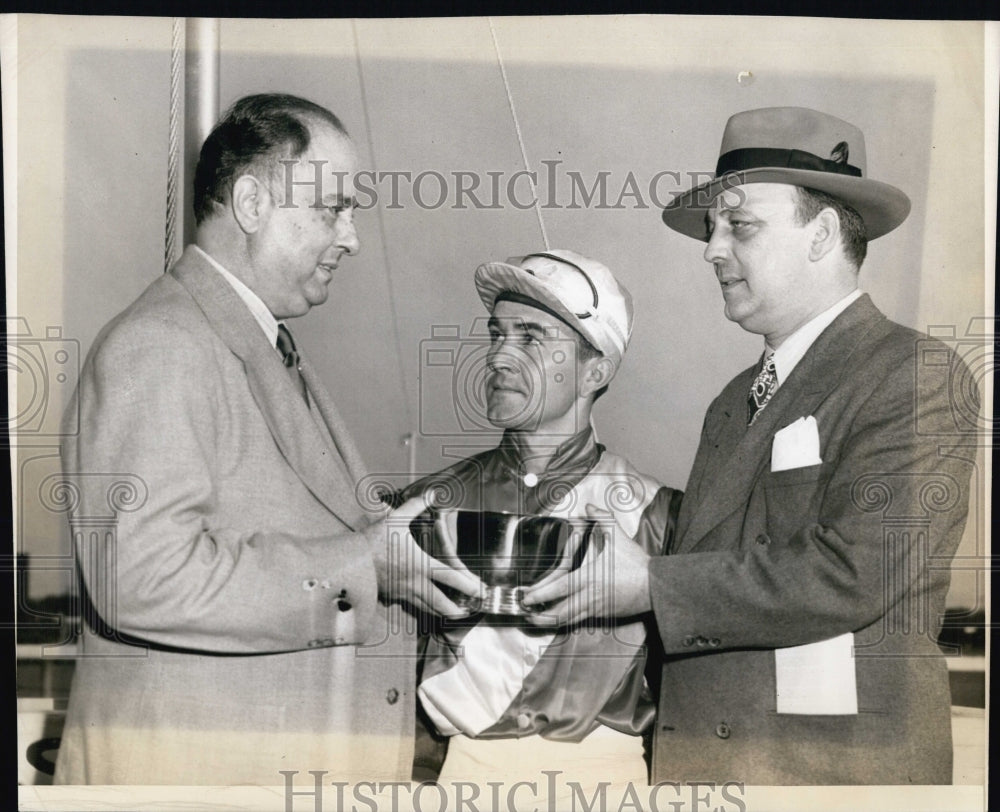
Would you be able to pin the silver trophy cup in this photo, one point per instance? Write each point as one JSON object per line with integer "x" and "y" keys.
{"x": 507, "y": 551}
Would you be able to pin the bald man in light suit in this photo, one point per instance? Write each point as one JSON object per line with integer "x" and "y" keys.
{"x": 239, "y": 617}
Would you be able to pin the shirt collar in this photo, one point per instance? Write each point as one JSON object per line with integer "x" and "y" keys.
{"x": 581, "y": 451}
{"x": 793, "y": 348}
{"x": 258, "y": 309}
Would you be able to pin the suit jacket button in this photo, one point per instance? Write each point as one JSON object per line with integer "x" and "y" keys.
{"x": 392, "y": 696}
{"x": 701, "y": 641}
{"x": 722, "y": 730}
{"x": 687, "y": 641}
{"x": 763, "y": 538}
{"x": 523, "y": 721}
{"x": 714, "y": 642}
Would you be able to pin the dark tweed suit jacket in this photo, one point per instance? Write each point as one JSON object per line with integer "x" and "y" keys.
{"x": 859, "y": 543}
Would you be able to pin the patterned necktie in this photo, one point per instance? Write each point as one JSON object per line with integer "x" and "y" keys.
{"x": 290, "y": 358}
{"x": 761, "y": 390}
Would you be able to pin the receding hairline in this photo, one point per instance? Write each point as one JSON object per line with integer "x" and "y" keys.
{"x": 270, "y": 165}
{"x": 315, "y": 122}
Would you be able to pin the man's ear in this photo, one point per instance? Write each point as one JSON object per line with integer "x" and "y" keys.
{"x": 249, "y": 202}
{"x": 825, "y": 234}
{"x": 595, "y": 375}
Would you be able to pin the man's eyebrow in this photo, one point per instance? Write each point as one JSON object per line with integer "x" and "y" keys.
{"x": 519, "y": 323}
{"x": 711, "y": 215}
{"x": 726, "y": 209}
{"x": 534, "y": 325}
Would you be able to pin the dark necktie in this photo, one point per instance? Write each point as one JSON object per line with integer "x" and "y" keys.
{"x": 290, "y": 358}
{"x": 761, "y": 390}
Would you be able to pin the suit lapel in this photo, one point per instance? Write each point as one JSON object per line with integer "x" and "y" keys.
{"x": 287, "y": 416}
{"x": 743, "y": 453}
{"x": 349, "y": 453}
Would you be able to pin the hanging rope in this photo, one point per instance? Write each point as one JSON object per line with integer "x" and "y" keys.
{"x": 520, "y": 138}
{"x": 174, "y": 146}
{"x": 385, "y": 252}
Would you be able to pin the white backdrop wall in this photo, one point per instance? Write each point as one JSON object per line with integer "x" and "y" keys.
{"x": 617, "y": 95}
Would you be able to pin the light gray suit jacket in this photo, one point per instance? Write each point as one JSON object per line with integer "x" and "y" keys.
{"x": 224, "y": 576}
{"x": 860, "y": 543}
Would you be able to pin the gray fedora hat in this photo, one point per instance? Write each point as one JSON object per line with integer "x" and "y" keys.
{"x": 798, "y": 146}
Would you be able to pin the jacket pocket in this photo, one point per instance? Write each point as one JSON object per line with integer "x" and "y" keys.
{"x": 792, "y": 498}
{"x": 797, "y": 476}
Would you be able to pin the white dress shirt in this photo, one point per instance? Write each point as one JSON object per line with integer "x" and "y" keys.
{"x": 264, "y": 318}
{"x": 788, "y": 355}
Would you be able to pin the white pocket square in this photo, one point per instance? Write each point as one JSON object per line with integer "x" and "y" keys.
{"x": 817, "y": 678}
{"x": 796, "y": 445}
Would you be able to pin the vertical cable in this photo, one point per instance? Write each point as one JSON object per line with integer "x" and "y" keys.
{"x": 520, "y": 138}
{"x": 410, "y": 438}
{"x": 194, "y": 106}
{"x": 171, "y": 251}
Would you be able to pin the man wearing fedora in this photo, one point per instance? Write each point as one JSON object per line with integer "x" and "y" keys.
{"x": 799, "y": 604}
{"x": 510, "y": 699}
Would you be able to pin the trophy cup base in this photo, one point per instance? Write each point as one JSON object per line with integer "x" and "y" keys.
{"x": 502, "y": 600}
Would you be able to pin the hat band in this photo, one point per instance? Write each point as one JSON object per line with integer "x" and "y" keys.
{"x": 765, "y": 157}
